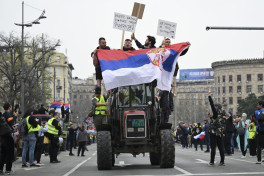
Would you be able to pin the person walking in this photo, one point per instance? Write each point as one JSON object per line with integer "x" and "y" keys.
{"x": 7, "y": 146}
{"x": 196, "y": 131}
{"x": 54, "y": 130}
{"x": 228, "y": 133}
{"x": 242, "y": 130}
{"x": 39, "y": 145}
{"x": 82, "y": 138}
{"x": 216, "y": 132}
{"x": 29, "y": 138}
{"x": 207, "y": 135}
{"x": 260, "y": 129}
{"x": 252, "y": 136}
{"x": 72, "y": 137}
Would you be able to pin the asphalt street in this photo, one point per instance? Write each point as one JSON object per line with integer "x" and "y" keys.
{"x": 188, "y": 162}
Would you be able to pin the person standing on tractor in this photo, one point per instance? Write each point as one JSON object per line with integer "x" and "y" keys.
{"x": 99, "y": 101}
{"x": 149, "y": 43}
{"x": 98, "y": 71}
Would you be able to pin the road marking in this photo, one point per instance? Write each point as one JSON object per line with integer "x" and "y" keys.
{"x": 182, "y": 170}
{"x": 32, "y": 168}
{"x": 94, "y": 154}
{"x": 201, "y": 161}
{"x": 76, "y": 167}
{"x": 237, "y": 173}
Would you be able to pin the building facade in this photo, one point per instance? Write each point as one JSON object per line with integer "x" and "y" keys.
{"x": 191, "y": 101}
{"x": 59, "y": 74}
{"x": 82, "y": 94}
{"x": 235, "y": 79}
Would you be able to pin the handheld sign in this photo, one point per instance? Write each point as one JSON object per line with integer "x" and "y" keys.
{"x": 138, "y": 10}
{"x": 166, "y": 29}
{"x": 124, "y": 22}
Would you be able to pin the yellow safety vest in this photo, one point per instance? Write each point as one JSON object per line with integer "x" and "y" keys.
{"x": 174, "y": 133}
{"x": 31, "y": 128}
{"x": 51, "y": 128}
{"x": 100, "y": 109}
{"x": 252, "y": 131}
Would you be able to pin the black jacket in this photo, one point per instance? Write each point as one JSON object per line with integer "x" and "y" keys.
{"x": 139, "y": 45}
{"x": 164, "y": 100}
{"x": 128, "y": 49}
{"x": 229, "y": 125}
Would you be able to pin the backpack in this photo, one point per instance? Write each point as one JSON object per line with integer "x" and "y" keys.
{"x": 22, "y": 127}
{"x": 240, "y": 130}
{"x": 261, "y": 121}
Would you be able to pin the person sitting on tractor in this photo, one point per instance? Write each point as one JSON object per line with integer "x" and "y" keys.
{"x": 134, "y": 99}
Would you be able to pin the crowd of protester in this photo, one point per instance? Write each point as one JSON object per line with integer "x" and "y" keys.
{"x": 30, "y": 138}
{"x": 227, "y": 131}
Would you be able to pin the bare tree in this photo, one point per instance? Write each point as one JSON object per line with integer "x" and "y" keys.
{"x": 10, "y": 68}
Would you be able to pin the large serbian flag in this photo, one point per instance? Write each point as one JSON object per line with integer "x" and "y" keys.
{"x": 123, "y": 68}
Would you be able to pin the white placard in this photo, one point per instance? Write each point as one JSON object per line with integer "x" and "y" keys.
{"x": 166, "y": 29}
{"x": 124, "y": 22}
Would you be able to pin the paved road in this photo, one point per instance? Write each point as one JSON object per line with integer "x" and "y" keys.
{"x": 188, "y": 162}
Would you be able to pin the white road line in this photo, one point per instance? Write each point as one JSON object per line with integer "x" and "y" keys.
{"x": 32, "y": 168}
{"x": 94, "y": 154}
{"x": 202, "y": 161}
{"x": 76, "y": 167}
{"x": 182, "y": 170}
{"x": 237, "y": 173}
{"x": 121, "y": 162}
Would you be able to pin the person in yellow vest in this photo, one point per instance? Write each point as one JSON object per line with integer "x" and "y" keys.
{"x": 99, "y": 101}
{"x": 54, "y": 130}
{"x": 252, "y": 134}
{"x": 29, "y": 138}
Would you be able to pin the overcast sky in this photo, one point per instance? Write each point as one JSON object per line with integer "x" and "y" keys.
{"x": 79, "y": 24}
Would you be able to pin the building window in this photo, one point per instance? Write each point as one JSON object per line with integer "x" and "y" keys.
{"x": 74, "y": 96}
{"x": 49, "y": 60}
{"x": 58, "y": 82}
{"x": 260, "y": 77}
{"x": 81, "y": 96}
{"x": 238, "y": 78}
{"x": 218, "y": 79}
{"x": 224, "y": 100}
{"x": 223, "y": 79}
{"x": 218, "y": 90}
{"x": 230, "y": 100}
{"x": 249, "y": 88}
{"x": 58, "y": 71}
{"x": 87, "y": 96}
{"x": 74, "y": 103}
{"x": 239, "y": 89}
{"x": 224, "y": 90}
{"x": 248, "y": 77}
{"x": 218, "y": 100}
{"x": 230, "y": 89}
{"x": 58, "y": 59}
{"x": 58, "y": 94}
{"x": 230, "y": 78}
{"x": 239, "y": 100}
{"x": 260, "y": 89}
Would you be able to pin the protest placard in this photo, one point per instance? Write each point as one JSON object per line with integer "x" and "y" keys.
{"x": 166, "y": 29}
{"x": 124, "y": 22}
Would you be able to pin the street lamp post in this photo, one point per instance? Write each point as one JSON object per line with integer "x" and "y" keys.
{"x": 22, "y": 103}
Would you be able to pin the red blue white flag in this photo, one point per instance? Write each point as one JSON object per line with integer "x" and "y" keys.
{"x": 123, "y": 68}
